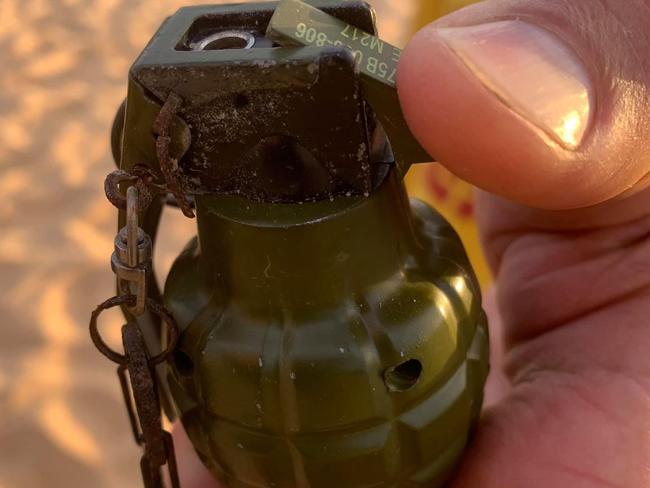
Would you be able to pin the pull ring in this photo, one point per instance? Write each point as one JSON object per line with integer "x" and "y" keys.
{"x": 159, "y": 310}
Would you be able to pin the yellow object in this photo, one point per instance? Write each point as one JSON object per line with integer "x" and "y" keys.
{"x": 432, "y": 9}
{"x": 432, "y": 183}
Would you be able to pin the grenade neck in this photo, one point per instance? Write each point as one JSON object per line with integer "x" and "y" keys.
{"x": 304, "y": 256}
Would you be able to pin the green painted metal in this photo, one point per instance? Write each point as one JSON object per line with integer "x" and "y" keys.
{"x": 298, "y": 23}
{"x": 329, "y": 338}
{"x": 304, "y": 331}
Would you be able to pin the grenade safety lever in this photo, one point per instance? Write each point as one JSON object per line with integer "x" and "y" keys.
{"x": 298, "y": 23}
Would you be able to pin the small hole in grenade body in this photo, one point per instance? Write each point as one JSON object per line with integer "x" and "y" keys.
{"x": 404, "y": 376}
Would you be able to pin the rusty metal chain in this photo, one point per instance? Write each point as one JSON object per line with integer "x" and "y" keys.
{"x": 139, "y": 389}
{"x": 142, "y": 177}
{"x": 121, "y": 359}
{"x": 131, "y": 262}
{"x": 169, "y": 165}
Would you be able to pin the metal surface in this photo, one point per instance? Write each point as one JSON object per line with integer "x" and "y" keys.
{"x": 131, "y": 262}
{"x": 168, "y": 319}
{"x": 330, "y": 332}
{"x": 133, "y": 238}
{"x": 140, "y": 392}
{"x": 297, "y": 23}
{"x": 141, "y": 397}
{"x": 295, "y": 320}
{"x": 169, "y": 165}
{"x": 143, "y": 180}
{"x": 143, "y": 246}
{"x": 264, "y": 120}
{"x": 132, "y": 272}
{"x": 154, "y": 191}
{"x": 247, "y": 147}
{"x": 227, "y": 39}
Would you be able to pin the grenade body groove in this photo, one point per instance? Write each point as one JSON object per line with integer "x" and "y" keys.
{"x": 328, "y": 344}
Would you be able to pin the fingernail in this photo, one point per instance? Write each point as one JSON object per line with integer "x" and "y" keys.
{"x": 531, "y": 71}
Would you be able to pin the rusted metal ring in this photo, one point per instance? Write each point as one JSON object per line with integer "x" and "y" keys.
{"x": 141, "y": 177}
{"x": 152, "y": 306}
{"x": 112, "y": 190}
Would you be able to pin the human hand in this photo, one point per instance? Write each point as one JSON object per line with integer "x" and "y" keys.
{"x": 546, "y": 104}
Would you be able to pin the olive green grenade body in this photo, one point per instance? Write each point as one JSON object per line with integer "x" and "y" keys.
{"x": 331, "y": 331}
{"x": 333, "y": 344}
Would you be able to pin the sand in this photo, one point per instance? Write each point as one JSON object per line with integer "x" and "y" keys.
{"x": 64, "y": 65}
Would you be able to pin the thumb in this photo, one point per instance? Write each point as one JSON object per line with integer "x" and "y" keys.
{"x": 543, "y": 102}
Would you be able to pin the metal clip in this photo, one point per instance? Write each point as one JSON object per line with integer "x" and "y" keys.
{"x": 131, "y": 260}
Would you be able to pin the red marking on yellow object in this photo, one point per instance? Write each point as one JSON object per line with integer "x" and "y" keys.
{"x": 445, "y": 188}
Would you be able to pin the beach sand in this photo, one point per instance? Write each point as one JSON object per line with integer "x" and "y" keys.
{"x": 64, "y": 66}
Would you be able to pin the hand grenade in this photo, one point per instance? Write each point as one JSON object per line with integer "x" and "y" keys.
{"x": 330, "y": 330}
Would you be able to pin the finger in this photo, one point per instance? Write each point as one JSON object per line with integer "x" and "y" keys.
{"x": 490, "y": 97}
{"x": 497, "y": 385}
{"x": 192, "y": 472}
{"x": 545, "y": 103}
{"x": 574, "y": 296}
{"x": 577, "y": 415}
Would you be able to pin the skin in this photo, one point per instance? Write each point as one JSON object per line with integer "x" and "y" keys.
{"x": 567, "y": 233}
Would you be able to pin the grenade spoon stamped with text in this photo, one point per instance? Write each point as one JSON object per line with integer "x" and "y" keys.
{"x": 321, "y": 330}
